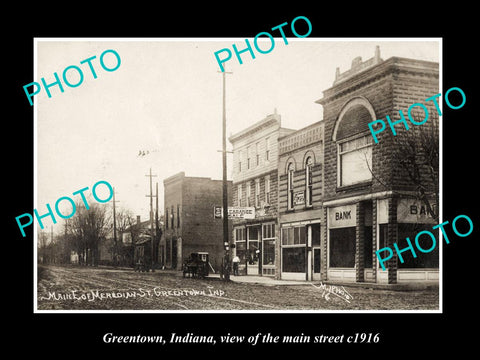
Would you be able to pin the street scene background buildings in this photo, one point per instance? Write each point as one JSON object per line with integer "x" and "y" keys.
{"x": 161, "y": 110}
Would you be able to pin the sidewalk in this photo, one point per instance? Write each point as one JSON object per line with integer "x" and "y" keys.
{"x": 269, "y": 281}
{"x": 265, "y": 280}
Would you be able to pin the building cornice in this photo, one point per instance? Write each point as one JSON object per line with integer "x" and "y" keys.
{"x": 391, "y": 66}
{"x": 270, "y": 121}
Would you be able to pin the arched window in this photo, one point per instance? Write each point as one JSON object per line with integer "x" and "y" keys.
{"x": 308, "y": 181}
{"x": 354, "y": 143}
{"x": 290, "y": 171}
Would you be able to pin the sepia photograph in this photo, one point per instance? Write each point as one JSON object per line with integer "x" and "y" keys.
{"x": 277, "y": 174}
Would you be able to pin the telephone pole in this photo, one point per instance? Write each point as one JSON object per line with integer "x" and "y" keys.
{"x": 157, "y": 237}
{"x": 151, "y": 196}
{"x": 51, "y": 244}
{"x": 115, "y": 245}
{"x": 226, "y": 260}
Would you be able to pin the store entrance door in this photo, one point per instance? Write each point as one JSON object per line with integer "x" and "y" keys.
{"x": 316, "y": 252}
{"x": 316, "y": 264}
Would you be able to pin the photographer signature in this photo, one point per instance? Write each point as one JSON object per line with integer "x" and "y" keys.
{"x": 338, "y": 291}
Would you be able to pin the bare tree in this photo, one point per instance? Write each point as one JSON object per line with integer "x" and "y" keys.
{"x": 124, "y": 219}
{"x": 88, "y": 227}
{"x": 415, "y": 157}
{"x": 42, "y": 246}
{"x": 417, "y": 153}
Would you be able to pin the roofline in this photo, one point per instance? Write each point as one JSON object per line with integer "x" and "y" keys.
{"x": 399, "y": 63}
{"x": 272, "y": 119}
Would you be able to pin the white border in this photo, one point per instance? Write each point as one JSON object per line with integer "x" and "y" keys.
{"x": 175, "y": 39}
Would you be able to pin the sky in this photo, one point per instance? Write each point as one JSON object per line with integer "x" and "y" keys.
{"x": 166, "y": 98}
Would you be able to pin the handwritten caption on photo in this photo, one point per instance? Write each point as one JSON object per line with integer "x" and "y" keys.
{"x": 94, "y": 295}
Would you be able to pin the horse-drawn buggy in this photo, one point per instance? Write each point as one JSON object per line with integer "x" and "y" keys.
{"x": 197, "y": 265}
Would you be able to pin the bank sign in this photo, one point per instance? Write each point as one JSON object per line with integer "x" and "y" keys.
{"x": 342, "y": 216}
{"x": 414, "y": 211}
{"x": 235, "y": 212}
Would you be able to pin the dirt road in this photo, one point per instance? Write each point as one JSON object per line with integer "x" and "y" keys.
{"x": 77, "y": 288}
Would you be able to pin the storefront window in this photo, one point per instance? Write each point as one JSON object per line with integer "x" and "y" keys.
{"x": 423, "y": 260}
{"x": 293, "y": 259}
{"x": 368, "y": 247}
{"x": 382, "y": 241}
{"x": 293, "y": 249}
{"x": 253, "y": 244}
{"x": 268, "y": 236}
{"x": 268, "y": 252}
{"x": 299, "y": 235}
{"x": 240, "y": 250}
{"x": 268, "y": 231}
{"x": 342, "y": 247}
{"x": 240, "y": 243}
{"x": 294, "y": 236}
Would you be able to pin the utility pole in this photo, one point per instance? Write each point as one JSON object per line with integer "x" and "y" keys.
{"x": 51, "y": 244}
{"x": 65, "y": 243}
{"x": 226, "y": 259}
{"x": 151, "y": 215}
{"x": 115, "y": 246}
{"x": 157, "y": 239}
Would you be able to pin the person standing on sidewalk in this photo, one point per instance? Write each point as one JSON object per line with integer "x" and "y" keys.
{"x": 235, "y": 262}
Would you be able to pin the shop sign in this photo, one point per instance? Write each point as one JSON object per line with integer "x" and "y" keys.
{"x": 342, "y": 216}
{"x": 235, "y": 212}
{"x": 299, "y": 198}
{"x": 414, "y": 211}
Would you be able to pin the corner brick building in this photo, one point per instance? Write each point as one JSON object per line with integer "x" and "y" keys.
{"x": 370, "y": 200}
{"x": 189, "y": 224}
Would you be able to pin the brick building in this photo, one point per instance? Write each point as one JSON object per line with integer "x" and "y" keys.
{"x": 300, "y": 194}
{"x": 370, "y": 198}
{"x": 255, "y": 184}
{"x": 189, "y": 223}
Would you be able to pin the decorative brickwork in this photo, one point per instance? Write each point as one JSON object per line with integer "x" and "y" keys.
{"x": 392, "y": 227}
{"x": 374, "y": 239}
{"x": 359, "y": 246}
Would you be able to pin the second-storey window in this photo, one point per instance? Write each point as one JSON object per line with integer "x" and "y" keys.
{"x": 308, "y": 181}
{"x": 257, "y": 192}
{"x": 355, "y": 160}
{"x": 239, "y": 195}
{"x": 267, "y": 189}
{"x": 290, "y": 171}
